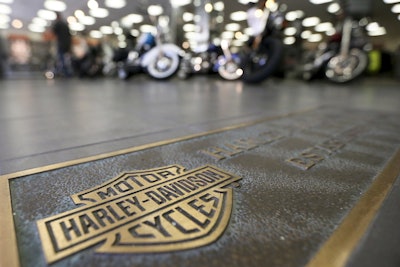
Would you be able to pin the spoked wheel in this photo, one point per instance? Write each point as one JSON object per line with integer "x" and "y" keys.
{"x": 164, "y": 66}
{"x": 230, "y": 70}
{"x": 260, "y": 65}
{"x": 343, "y": 69}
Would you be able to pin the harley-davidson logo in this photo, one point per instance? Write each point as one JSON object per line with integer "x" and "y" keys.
{"x": 157, "y": 210}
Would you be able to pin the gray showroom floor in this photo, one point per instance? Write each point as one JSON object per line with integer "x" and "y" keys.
{"x": 45, "y": 122}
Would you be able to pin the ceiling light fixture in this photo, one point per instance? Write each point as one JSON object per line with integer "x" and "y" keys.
{"x": 179, "y": 3}
{"x": 4, "y": 9}
{"x": 391, "y": 1}
{"x": 106, "y": 30}
{"x": 155, "y": 10}
{"x": 99, "y": 13}
{"x": 131, "y": 19}
{"x": 36, "y": 28}
{"x": 87, "y": 20}
{"x": 117, "y": 4}
{"x": 78, "y": 27}
{"x": 293, "y": 15}
{"x": 334, "y": 8}
{"x": 96, "y": 34}
{"x": 319, "y": 2}
{"x": 17, "y": 24}
{"x": 55, "y": 5}
{"x": 396, "y": 8}
{"x": 311, "y": 21}
{"x": 46, "y": 14}
{"x": 92, "y": 4}
{"x": 238, "y": 16}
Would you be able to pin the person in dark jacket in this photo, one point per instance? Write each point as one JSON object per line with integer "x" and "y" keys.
{"x": 61, "y": 31}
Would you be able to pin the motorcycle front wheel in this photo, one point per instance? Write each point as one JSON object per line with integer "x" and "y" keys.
{"x": 259, "y": 65}
{"x": 230, "y": 70}
{"x": 164, "y": 66}
{"x": 341, "y": 69}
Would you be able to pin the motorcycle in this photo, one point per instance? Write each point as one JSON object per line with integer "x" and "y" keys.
{"x": 262, "y": 57}
{"x": 158, "y": 59}
{"x": 199, "y": 62}
{"x": 229, "y": 64}
{"x": 343, "y": 58}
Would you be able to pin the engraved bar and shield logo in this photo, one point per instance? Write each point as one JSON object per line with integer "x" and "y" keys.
{"x": 157, "y": 210}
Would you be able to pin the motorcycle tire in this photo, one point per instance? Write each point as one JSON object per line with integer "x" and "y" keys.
{"x": 342, "y": 69}
{"x": 259, "y": 66}
{"x": 230, "y": 70}
{"x": 165, "y": 66}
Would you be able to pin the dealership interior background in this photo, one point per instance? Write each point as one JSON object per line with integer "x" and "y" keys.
{"x": 27, "y": 38}
{"x": 52, "y": 124}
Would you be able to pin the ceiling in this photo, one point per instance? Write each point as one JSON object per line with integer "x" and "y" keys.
{"x": 26, "y": 10}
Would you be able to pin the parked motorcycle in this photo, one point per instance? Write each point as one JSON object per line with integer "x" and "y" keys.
{"x": 343, "y": 58}
{"x": 261, "y": 58}
{"x": 199, "y": 62}
{"x": 152, "y": 55}
{"x": 229, "y": 64}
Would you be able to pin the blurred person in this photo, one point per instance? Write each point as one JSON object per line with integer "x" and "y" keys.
{"x": 3, "y": 57}
{"x": 61, "y": 31}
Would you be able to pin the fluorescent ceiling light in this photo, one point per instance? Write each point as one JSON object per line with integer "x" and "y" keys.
{"x": 334, "y": 7}
{"x": 135, "y": 32}
{"x": 117, "y": 4}
{"x": 36, "y": 28}
{"x": 189, "y": 27}
{"x": 92, "y": 4}
{"x": 289, "y": 40}
{"x": 238, "y": 16}
{"x": 227, "y": 35}
{"x": 4, "y": 19}
{"x": 148, "y": 28}
{"x": 290, "y": 31}
{"x": 323, "y": 27}
{"x": 118, "y": 31}
{"x": 306, "y": 34}
{"x": 318, "y": 2}
{"x": 220, "y": 6}
{"x": 7, "y": 1}
{"x": 78, "y": 27}
{"x": 106, "y": 30}
{"x": 79, "y": 13}
{"x": 378, "y": 32}
{"x": 179, "y": 3}
{"x": 47, "y": 14}
{"x": 232, "y": 27}
{"x": 40, "y": 22}
{"x": 130, "y": 19}
{"x": 187, "y": 16}
{"x": 155, "y": 10}
{"x": 311, "y": 21}
{"x": 87, "y": 20}
{"x": 314, "y": 38}
{"x": 71, "y": 19}
{"x": 293, "y": 15}
{"x": 396, "y": 8}
{"x": 4, "y": 9}
{"x": 385, "y": 1}
{"x": 373, "y": 26}
{"x": 99, "y": 12}
{"x": 96, "y": 34}
{"x": 55, "y": 5}
{"x": 4, "y": 26}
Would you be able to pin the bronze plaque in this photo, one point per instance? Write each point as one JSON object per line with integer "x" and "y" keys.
{"x": 282, "y": 191}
